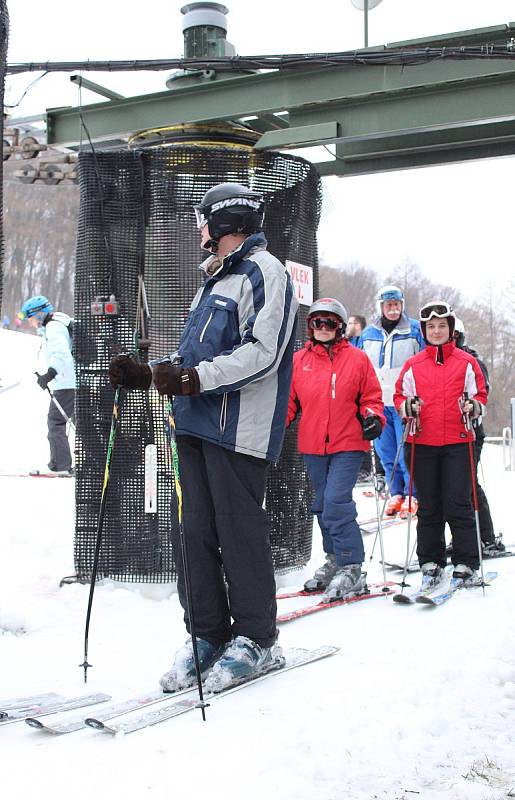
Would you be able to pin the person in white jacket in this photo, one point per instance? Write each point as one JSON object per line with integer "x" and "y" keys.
{"x": 59, "y": 377}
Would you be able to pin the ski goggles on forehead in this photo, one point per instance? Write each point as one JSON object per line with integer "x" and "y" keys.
{"x": 440, "y": 310}
{"x": 316, "y": 323}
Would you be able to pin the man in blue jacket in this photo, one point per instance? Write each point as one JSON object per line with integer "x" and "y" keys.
{"x": 231, "y": 401}
{"x": 389, "y": 341}
{"x": 59, "y": 378}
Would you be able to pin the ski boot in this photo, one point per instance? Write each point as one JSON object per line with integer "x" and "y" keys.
{"x": 323, "y": 575}
{"x": 404, "y": 509}
{"x": 432, "y": 576}
{"x": 496, "y": 546}
{"x": 394, "y": 505}
{"x": 347, "y": 582}
{"x": 241, "y": 661}
{"x": 381, "y": 483}
{"x": 465, "y": 574}
{"x": 182, "y": 672}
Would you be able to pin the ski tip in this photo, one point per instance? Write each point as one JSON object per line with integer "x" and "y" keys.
{"x": 94, "y": 723}
{"x": 402, "y": 599}
{"x": 34, "y": 723}
{"x": 425, "y": 600}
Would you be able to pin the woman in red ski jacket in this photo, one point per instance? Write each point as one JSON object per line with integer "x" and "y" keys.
{"x": 441, "y": 387}
{"x": 335, "y": 388}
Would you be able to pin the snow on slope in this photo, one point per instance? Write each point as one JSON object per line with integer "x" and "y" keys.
{"x": 419, "y": 702}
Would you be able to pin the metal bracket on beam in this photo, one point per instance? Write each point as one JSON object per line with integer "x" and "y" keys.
{"x": 84, "y": 83}
{"x": 304, "y": 136}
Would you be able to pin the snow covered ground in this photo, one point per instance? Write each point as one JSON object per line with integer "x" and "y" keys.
{"x": 419, "y": 702}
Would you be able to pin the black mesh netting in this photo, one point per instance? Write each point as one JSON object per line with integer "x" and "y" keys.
{"x": 136, "y": 218}
{"x": 4, "y": 35}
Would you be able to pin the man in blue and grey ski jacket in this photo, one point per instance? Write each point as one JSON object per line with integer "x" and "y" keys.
{"x": 389, "y": 341}
{"x": 231, "y": 391}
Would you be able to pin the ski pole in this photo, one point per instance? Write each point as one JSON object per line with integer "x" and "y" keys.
{"x": 58, "y": 405}
{"x": 413, "y": 429}
{"x": 172, "y": 442}
{"x": 103, "y": 499}
{"x": 388, "y": 485}
{"x": 379, "y": 522}
{"x": 469, "y": 428}
{"x": 10, "y": 386}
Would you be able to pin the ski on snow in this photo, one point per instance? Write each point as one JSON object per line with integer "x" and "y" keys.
{"x": 291, "y": 660}
{"x": 75, "y": 723}
{"x": 413, "y": 566}
{"x": 17, "y": 703}
{"x": 439, "y": 597}
{"x": 316, "y": 592}
{"x": 52, "y": 706}
{"x": 374, "y": 590}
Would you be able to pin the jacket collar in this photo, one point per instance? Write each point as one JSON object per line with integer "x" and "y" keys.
{"x": 403, "y": 325}
{"x": 438, "y": 353}
{"x": 253, "y": 243}
{"x": 320, "y": 350}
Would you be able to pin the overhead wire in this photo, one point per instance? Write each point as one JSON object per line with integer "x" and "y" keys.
{"x": 373, "y": 57}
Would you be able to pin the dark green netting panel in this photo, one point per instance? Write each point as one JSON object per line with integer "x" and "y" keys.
{"x": 135, "y": 222}
{"x": 4, "y": 35}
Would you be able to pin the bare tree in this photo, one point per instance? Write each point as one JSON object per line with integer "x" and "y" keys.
{"x": 354, "y": 285}
{"x": 39, "y": 250}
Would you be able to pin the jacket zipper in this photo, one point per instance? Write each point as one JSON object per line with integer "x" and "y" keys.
{"x": 333, "y": 386}
{"x": 223, "y": 413}
{"x": 201, "y": 339}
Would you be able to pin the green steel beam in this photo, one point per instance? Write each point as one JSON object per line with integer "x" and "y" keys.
{"x": 433, "y": 157}
{"x": 271, "y": 92}
{"x": 477, "y": 36}
{"x": 429, "y": 113}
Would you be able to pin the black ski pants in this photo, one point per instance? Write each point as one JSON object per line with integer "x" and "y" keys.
{"x": 442, "y": 476}
{"x": 60, "y": 454}
{"x": 227, "y": 536}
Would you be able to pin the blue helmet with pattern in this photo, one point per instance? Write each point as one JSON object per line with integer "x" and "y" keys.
{"x": 388, "y": 293}
{"x": 39, "y": 305}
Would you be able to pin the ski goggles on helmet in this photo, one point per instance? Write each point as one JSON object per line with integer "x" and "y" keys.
{"x": 390, "y": 294}
{"x": 200, "y": 217}
{"x": 439, "y": 309}
{"x": 316, "y": 323}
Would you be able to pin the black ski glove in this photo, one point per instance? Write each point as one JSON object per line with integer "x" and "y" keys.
{"x": 472, "y": 408}
{"x": 172, "y": 380}
{"x": 44, "y": 380}
{"x": 127, "y": 371}
{"x": 412, "y": 407}
{"x": 372, "y": 427}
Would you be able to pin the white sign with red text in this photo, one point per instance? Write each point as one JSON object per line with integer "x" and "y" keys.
{"x": 302, "y": 278}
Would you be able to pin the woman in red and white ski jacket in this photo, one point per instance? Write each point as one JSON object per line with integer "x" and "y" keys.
{"x": 336, "y": 390}
{"x": 441, "y": 386}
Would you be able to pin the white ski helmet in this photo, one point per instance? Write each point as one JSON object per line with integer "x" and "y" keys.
{"x": 388, "y": 293}
{"x": 459, "y": 332}
{"x": 439, "y": 309}
{"x": 328, "y": 305}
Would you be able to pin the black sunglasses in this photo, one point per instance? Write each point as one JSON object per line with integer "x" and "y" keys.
{"x": 323, "y": 322}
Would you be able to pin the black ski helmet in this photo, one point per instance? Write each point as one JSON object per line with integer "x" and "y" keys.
{"x": 230, "y": 208}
